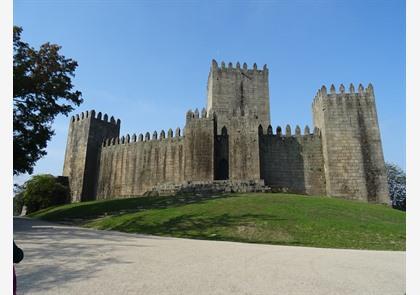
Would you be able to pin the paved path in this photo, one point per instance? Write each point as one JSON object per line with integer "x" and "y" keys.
{"x": 68, "y": 260}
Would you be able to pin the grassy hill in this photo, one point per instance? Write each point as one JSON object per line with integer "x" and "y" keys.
{"x": 270, "y": 218}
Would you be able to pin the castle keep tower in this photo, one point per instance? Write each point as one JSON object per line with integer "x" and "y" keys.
{"x": 238, "y": 89}
{"x": 86, "y": 133}
{"x": 239, "y": 98}
{"x": 351, "y": 143}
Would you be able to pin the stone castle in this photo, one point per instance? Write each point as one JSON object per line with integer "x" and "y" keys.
{"x": 231, "y": 146}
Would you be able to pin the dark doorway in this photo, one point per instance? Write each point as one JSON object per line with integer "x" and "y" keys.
{"x": 221, "y": 156}
{"x": 223, "y": 170}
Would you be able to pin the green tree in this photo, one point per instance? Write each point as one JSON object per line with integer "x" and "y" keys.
{"x": 396, "y": 185}
{"x": 43, "y": 191}
{"x": 18, "y": 199}
{"x": 42, "y": 89}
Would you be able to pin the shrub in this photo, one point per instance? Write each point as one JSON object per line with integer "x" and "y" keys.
{"x": 43, "y": 191}
{"x": 18, "y": 200}
{"x": 396, "y": 184}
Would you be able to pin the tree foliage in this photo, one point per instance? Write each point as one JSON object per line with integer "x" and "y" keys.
{"x": 18, "y": 199}
{"x": 42, "y": 89}
{"x": 43, "y": 191}
{"x": 396, "y": 184}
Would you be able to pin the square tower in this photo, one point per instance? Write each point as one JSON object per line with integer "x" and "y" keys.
{"x": 238, "y": 90}
{"x": 86, "y": 133}
{"x": 351, "y": 143}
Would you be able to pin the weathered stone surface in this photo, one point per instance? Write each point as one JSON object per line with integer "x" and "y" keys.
{"x": 351, "y": 144}
{"x": 238, "y": 89}
{"x": 208, "y": 187}
{"x": 198, "y": 148}
{"x": 82, "y": 156}
{"x": 244, "y": 158}
{"x": 293, "y": 164}
{"x": 134, "y": 168}
{"x": 231, "y": 147}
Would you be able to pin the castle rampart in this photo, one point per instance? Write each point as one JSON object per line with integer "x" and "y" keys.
{"x": 199, "y": 145}
{"x": 292, "y": 162}
{"x": 231, "y": 146}
{"x": 135, "y": 167}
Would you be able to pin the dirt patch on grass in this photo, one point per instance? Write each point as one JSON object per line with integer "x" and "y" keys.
{"x": 253, "y": 231}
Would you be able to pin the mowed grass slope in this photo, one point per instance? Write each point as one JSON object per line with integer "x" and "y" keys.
{"x": 283, "y": 219}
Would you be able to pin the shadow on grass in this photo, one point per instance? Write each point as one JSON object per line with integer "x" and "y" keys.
{"x": 78, "y": 214}
{"x": 238, "y": 227}
{"x": 263, "y": 228}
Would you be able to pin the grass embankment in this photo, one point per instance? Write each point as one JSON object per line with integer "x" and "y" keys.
{"x": 282, "y": 219}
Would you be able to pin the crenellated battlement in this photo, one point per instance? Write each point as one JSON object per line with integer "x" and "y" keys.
{"x": 194, "y": 115}
{"x": 292, "y": 161}
{"x": 92, "y": 115}
{"x": 288, "y": 132}
{"x": 135, "y": 139}
{"x": 232, "y": 90}
{"x": 238, "y": 68}
{"x": 342, "y": 96}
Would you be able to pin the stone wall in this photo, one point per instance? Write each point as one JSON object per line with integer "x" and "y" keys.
{"x": 130, "y": 166}
{"x": 203, "y": 188}
{"x": 292, "y": 163}
{"x": 373, "y": 157}
{"x": 240, "y": 89}
{"x": 244, "y": 156}
{"x": 352, "y": 149}
{"x": 86, "y": 132}
{"x": 199, "y": 147}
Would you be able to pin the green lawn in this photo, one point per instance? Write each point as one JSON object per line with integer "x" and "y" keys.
{"x": 270, "y": 218}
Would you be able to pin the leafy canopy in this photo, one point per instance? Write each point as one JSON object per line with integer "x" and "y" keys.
{"x": 396, "y": 185}
{"x": 42, "y": 89}
{"x": 43, "y": 191}
{"x": 18, "y": 201}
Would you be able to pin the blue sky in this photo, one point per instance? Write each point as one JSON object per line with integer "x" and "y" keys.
{"x": 147, "y": 62}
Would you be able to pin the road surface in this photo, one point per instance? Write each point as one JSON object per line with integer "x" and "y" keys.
{"x": 69, "y": 260}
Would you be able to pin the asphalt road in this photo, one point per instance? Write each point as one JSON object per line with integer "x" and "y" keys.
{"x": 69, "y": 260}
